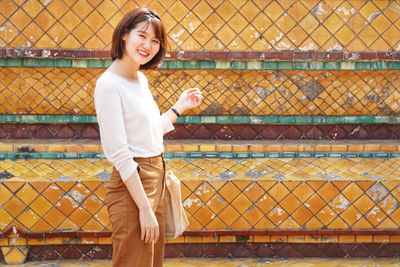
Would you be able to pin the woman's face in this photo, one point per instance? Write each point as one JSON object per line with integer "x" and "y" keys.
{"x": 141, "y": 43}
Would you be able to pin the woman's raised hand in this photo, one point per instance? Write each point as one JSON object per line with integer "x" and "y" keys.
{"x": 189, "y": 99}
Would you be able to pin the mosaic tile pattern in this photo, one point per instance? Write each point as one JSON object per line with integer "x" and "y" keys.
{"x": 209, "y": 25}
{"x": 204, "y": 146}
{"x": 213, "y": 131}
{"x": 261, "y": 262}
{"x": 226, "y": 92}
{"x": 326, "y": 193}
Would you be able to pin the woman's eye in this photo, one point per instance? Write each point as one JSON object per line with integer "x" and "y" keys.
{"x": 156, "y": 41}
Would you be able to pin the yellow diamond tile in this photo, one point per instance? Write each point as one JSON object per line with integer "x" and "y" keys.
{"x": 302, "y": 215}
{"x": 27, "y": 194}
{"x": 274, "y": 11}
{"x": 54, "y": 217}
{"x": 28, "y": 218}
{"x": 204, "y": 216}
{"x": 40, "y": 205}
{"x": 277, "y": 215}
{"x": 228, "y": 215}
{"x": 14, "y": 206}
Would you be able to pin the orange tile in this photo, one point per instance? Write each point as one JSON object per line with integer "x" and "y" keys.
{"x": 54, "y": 217}
{"x": 14, "y": 206}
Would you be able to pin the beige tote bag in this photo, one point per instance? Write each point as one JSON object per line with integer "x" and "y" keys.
{"x": 175, "y": 218}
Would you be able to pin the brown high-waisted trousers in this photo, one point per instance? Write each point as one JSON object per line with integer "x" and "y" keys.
{"x": 128, "y": 249}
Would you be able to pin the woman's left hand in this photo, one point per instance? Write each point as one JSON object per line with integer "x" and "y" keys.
{"x": 189, "y": 99}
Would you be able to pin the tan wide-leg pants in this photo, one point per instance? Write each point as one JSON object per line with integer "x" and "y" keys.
{"x": 128, "y": 249}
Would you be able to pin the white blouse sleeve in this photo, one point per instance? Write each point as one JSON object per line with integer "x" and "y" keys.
{"x": 166, "y": 124}
{"x": 109, "y": 112}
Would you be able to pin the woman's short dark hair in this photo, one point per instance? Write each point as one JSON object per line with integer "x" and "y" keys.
{"x": 129, "y": 22}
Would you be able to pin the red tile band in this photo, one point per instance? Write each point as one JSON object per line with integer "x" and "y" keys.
{"x": 207, "y": 55}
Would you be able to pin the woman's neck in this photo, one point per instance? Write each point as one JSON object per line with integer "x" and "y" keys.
{"x": 122, "y": 67}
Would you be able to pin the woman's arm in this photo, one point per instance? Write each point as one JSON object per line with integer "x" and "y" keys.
{"x": 189, "y": 99}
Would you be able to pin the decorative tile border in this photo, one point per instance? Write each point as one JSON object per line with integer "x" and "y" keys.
{"x": 209, "y": 55}
{"x": 209, "y": 64}
{"x": 204, "y": 155}
{"x": 225, "y": 119}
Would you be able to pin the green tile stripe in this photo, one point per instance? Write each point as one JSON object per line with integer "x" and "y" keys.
{"x": 209, "y": 64}
{"x": 226, "y": 119}
{"x": 202, "y": 155}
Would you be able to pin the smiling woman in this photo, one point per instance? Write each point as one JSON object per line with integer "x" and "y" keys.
{"x": 131, "y": 131}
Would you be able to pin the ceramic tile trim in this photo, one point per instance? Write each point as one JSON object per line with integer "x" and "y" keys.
{"x": 180, "y": 147}
{"x": 209, "y": 64}
{"x": 208, "y": 55}
{"x": 204, "y": 155}
{"x": 207, "y": 233}
{"x": 225, "y": 119}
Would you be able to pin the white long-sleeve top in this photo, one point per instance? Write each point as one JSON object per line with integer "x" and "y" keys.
{"x": 129, "y": 120}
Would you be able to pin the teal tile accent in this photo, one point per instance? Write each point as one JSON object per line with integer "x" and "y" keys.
{"x": 319, "y": 119}
{"x": 70, "y": 155}
{"x": 271, "y": 119}
{"x": 46, "y": 119}
{"x": 63, "y": 63}
{"x": 190, "y": 64}
{"x": 195, "y": 155}
{"x": 256, "y": 119}
{"x": 288, "y": 155}
{"x": 95, "y": 63}
{"x": 175, "y": 64}
{"x": 29, "y": 119}
{"x": 181, "y": 120}
{"x": 285, "y": 65}
{"x": 273, "y": 155}
{"x": 381, "y": 119}
{"x": 301, "y": 66}
{"x": 302, "y": 119}
{"x": 395, "y": 155}
{"x": 79, "y": 119}
{"x": 99, "y": 156}
{"x": 212, "y": 155}
{"x": 11, "y": 118}
{"x": 350, "y": 155}
{"x": 395, "y": 65}
{"x": 258, "y": 155}
{"x": 304, "y": 155}
{"x": 164, "y": 65}
{"x": 168, "y": 155}
{"x": 14, "y": 62}
{"x": 363, "y": 65}
{"x": 347, "y": 65}
{"x": 31, "y": 62}
{"x": 379, "y": 65}
{"x": 334, "y": 155}
{"x": 50, "y": 155}
{"x": 3, "y": 62}
{"x": 224, "y": 119}
{"x": 79, "y": 63}
{"x": 286, "y": 119}
{"x": 47, "y": 62}
{"x": 334, "y": 119}
{"x": 320, "y": 155}
{"x": 207, "y": 64}
{"x": 86, "y": 155}
{"x": 226, "y": 155}
{"x": 254, "y": 65}
{"x": 270, "y": 65}
{"x": 208, "y": 119}
{"x": 108, "y": 62}
{"x": 381, "y": 155}
{"x": 242, "y": 155}
{"x": 316, "y": 65}
{"x": 63, "y": 119}
{"x": 350, "y": 119}
{"x": 222, "y": 65}
{"x": 365, "y": 119}
{"x": 92, "y": 119}
{"x": 238, "y": 65}
{"x": 240, "y": 119}
{"x": 332, "y": 65}
{"x": 180, "y": 155}
{"x": 192, "y": 119}
{"x": 366, "y": 155}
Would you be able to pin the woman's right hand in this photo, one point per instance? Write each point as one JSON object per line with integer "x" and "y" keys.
{"x": 148, "y": 225}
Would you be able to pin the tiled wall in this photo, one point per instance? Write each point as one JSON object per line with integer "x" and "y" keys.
{"x": 226, "y": 92}
{"x": 209, "y": 24}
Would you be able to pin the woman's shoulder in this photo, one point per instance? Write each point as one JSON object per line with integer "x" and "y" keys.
{"x": 106, "y": 83}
